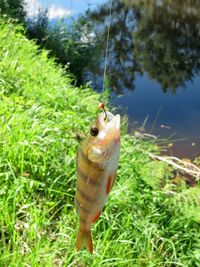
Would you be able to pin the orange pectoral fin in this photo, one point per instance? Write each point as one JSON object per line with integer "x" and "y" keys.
{"x": 110, "y": 182}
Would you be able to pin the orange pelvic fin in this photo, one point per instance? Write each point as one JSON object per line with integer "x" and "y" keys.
{"x": 110, "y": 182}
{"x": 84, "y": 239}
{"x": 96, "y": 217}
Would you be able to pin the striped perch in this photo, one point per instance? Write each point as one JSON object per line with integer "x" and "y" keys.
{"x": 97, "y": 162}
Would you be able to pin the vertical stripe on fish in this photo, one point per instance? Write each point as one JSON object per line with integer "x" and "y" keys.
{"x": 97, "y": 162}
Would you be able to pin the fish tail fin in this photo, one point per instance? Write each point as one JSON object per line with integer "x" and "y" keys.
{"x": 84, "y": 239}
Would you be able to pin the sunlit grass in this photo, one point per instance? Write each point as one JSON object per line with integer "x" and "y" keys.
{"x": 148, "y": 221}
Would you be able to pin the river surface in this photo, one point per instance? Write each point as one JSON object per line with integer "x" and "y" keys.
{"x": 153, "y": 68}
{"x": 153, "y": 65}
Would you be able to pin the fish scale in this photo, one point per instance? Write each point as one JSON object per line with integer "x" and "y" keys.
{"x": 97, "y": 162}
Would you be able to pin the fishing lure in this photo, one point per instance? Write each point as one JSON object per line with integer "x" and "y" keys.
{"x": 97, "y": 161}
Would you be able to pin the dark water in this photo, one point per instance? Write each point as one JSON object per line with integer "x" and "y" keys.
{"x": 153, "y": 66}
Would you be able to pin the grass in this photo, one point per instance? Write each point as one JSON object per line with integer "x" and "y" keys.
{"x": 149, "y": 220}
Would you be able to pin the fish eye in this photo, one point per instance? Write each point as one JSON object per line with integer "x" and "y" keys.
{"x": 94, "y": 131}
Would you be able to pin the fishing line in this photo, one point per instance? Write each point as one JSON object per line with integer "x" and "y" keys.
{"x": 34, "y": 12}
{"x": 107, "y": 46}
{"x": 101, "y": 105}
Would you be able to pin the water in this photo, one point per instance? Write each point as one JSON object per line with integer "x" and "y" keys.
{"x": 153, "y": 65}
{"x": 175, "y": 116}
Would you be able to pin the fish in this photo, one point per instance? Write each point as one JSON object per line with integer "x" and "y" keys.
{"x": 96, "y": 167}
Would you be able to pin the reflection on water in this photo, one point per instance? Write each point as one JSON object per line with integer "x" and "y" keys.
{"x": 166, "y": 41}
{"x": 154, "y": 61}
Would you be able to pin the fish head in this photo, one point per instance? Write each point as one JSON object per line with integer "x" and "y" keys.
{"x": 104, "y": 137}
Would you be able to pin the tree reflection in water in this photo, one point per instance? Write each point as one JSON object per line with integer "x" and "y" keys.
{"x": 161, "y": 38}
{"x": 121, "y": 65}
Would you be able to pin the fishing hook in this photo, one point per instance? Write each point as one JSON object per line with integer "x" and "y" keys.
{"x": 102, "y": 106}
{"x": 105, "y": 113}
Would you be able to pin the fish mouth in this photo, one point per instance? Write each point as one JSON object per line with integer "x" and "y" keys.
{"x": 110, "y": 120}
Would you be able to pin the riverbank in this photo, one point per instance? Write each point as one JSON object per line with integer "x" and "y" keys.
{"x": 149, "y": 218}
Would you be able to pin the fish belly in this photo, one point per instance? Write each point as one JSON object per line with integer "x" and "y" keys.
{"x": 92, "y": 184}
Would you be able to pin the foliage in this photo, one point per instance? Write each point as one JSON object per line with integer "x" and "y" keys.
{"x": 70, "y": 47}
{"x": 42, "y": 115}
{"x": 69, "y": 44}
{"x": 37, "y": 27}
{"x": 14, "y": 9}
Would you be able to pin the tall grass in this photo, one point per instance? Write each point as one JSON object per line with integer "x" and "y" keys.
{"x": 148, "y": 220}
